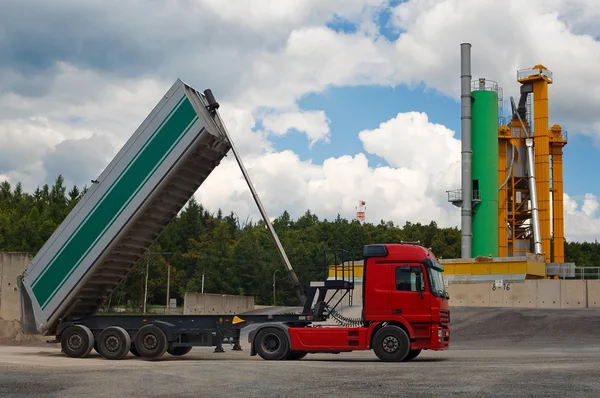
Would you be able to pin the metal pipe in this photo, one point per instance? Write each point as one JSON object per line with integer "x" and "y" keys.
{"x": 466, "y": 151}
{"x": 535, "y": 217}
{"x": 537, "y": 244}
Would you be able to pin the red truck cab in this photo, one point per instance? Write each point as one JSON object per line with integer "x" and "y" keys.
{"x": 405, "y": 310}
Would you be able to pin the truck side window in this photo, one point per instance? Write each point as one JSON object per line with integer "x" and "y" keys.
{"x": 406, "y": 278}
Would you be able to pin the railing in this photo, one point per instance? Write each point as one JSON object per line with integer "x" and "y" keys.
{"x": 342, "y": 271}
{"x": 587, "y": 273}
{"x": 568, "y": 271}
{"x": 455, "y": 195}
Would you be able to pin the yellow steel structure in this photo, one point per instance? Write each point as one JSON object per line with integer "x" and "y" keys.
{"x": 515, "y": 236}
{"x": 558, "y": 139}
{"x": 530, "y": 266}
{"x": 504, "y": 136}
{"x": 540, "y": 80}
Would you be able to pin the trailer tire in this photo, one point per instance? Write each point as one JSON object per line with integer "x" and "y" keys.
{"x": 114, "y": 343}
{"x": 391, "y": 344}
{"x": 272, "y": 344}
{"x": 179, "y": 351}
{"x": 151, "y": 342}
{"x": 77, "y": 341}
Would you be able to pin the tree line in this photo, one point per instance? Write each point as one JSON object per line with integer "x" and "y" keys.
{"x": 236, "y": 257}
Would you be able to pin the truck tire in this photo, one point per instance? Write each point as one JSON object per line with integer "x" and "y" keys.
{"x": 114, "y": 343}
{"x": 296, "y": 355}
{"x": 151, "y": 342}
{"x": 272, "y": 344}
{"x": 179, "y": 351}
{"x": 77, "y": 341}
{"x": 412, "y": 355}
{"x": 391, "y": 344}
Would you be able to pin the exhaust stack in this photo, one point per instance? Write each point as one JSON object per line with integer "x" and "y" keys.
{"x": 466, "y": 150}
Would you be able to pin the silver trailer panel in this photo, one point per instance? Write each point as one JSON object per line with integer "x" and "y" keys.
{"x": 147, "y": 183}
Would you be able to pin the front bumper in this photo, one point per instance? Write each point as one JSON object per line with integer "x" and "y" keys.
{"x": 440, "y": 338}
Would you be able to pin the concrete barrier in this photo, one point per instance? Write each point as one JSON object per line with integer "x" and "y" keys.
{"x": 207, "y": 304}
{"x": 593, "y": 293}
{"x": 12, "y": 265}
{"x": 573, "y": 294}
{"x": 479, "y": 295}
{"x": 541, "y": 293}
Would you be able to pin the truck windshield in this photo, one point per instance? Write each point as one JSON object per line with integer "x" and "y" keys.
{"x": 437, "y": 283}
{"x": 435, "y": 270}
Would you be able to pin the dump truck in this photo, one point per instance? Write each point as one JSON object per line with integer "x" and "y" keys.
{"x": 152, "y": 177}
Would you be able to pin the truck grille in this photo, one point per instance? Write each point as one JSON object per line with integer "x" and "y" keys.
{"x": 444, "y": 317}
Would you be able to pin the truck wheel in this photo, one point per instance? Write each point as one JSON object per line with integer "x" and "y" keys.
{"x": 114, "y": 343}
{"x": 77, "y": 341}
{"x": 296, "y": 355}
{"x": 179, "y": 351}
{"x": 151, "y": 342}
{"x": 412, "y": 355}
{"x": 391, "y": 344}
{"x": 272, "y": 344}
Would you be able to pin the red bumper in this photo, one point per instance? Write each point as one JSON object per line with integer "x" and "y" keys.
{"x": 439, "y": 340}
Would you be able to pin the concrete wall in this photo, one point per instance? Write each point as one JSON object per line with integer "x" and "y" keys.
{"x": 11, "y": 266}
{"x": 543, "y": 293}
{"x": 206, "y": 304}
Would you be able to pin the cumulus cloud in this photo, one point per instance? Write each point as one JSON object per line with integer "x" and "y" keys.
{"x": 89, "y": 73}
{"x": 582, "y": 223}
{"x": 314, "y": 123}
{"x": 411, "y": 188}
{"x": 539, "y": 32}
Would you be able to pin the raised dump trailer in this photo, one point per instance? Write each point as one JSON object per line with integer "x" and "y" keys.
{"x": 127, "y": 207}
{"x": 142, "y": 189}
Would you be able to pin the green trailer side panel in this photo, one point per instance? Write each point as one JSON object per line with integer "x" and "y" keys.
{"x": 124, "y": 189}
{"x": 485, "y": 172}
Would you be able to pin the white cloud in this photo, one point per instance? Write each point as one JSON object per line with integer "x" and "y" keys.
{"x": 538, "y": 33}
{"x": 582, "y": 224}
{"x": 314, "y": 123}
{"x": 96, "y": 83}
{"x": 413, "y": 188}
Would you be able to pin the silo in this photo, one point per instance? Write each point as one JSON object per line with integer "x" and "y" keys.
{"x": 485, "y": 168}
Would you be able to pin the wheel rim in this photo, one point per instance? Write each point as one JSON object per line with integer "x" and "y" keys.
{"x": 390, "y": 344}
{"x": 150, "y": 342}
{"x": 112, "y": 343}
{"x": 75, "y": 342}
{"x": 271, "y": 343}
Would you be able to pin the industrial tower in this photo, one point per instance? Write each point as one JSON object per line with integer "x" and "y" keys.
{"x": 516, "y": 207}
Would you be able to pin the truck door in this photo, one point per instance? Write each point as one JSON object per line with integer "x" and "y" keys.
{"x": 410, "y": 298}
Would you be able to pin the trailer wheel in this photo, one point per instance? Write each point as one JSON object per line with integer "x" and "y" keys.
{"x": 114, "y": 343}
{"x": 272, "y": 344}
{"x": 391, "y": 344}
{"x": 412, "y": 355}
{"x": 179, "y": 351}
{"x": 77, "y": 341}
{"x": 151, "y": 342}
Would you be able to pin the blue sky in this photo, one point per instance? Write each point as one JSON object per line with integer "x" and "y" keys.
{"x": 352, "y": 109}
{"x": 75, "y": 87}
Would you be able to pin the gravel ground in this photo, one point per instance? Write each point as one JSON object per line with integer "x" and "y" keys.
{"x": 495, "y": 353}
